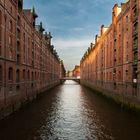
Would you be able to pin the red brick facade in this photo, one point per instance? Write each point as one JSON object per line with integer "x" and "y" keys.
{"x": 28, "y": 62}
{"x": 113, "y": 62}
{"x": 76, "y": 71}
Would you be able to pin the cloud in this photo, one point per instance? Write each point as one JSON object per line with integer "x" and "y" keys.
{"x": 71, "y": 49}
{"x": 71, "y": 43}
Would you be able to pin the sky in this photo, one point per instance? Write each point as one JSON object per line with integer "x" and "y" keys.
{"x": 73, "y": 24}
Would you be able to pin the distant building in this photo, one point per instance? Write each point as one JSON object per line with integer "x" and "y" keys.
{"x": 69, "y": 74}
{"x": 76, "y": 71}
{"x": 62, "y": 70}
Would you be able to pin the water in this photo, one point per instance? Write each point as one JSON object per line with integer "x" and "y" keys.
{"x": 71, "y": 112}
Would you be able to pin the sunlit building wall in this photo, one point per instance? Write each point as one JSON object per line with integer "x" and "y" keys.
{"x": 76, "y": 71}
{"x": 112, "y": 63}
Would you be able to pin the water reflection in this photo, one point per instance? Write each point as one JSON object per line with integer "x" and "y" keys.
{"x": 68, "y": 117}
{"x": 71, "y": 112}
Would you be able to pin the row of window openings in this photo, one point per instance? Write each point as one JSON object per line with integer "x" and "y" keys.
{"x": 10, "y": 45}
{"x": 10, "y": 26}
{"x": 118, "y": 74}
{"x": 34, "y": 76}
{"x": 10, "y": 75}
{"x": 111, "y": 75}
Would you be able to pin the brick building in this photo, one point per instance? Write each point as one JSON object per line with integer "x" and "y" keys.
{"x": 62, "y": 70}
{"x": 29, "y": 63}
{"x": 76, "y": 71}
{"x": 112, "y": 63}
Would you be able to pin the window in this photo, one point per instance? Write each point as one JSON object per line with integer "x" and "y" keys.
{"x": 28, "y": 75}
{"x": 24, "y": 46}
{"x": 119, "y": 38}
{"x": 127, "y": 19}
{"x": 119, "y": 27}
{"x": 18, "y": 47}
{"x": 135, "y": 12}
{"x": 127, "y": 49}
{"x": 18, "y": 34}
{"x": 10, "y": 74}
{"x": 11, "y": 9}
{"x": 28, "y": 49}
{"x": 110, "y": 75}
{"x": 18, "y": 76}
{"x": 0, "y": 17}
{"x": 10, "y": 40}
{"x": 135, "y": 56}
{"x": 10, "y": 46}
{"x": 35, "y": 75}
{"x": 135, "y": 26}
{"x": 0, "y": 26}
{"x": 0, "y": 50}
{"x": 119, "y": 75}
{"x": 18, "y": 59}
{"x": 127, "y": 58}
{"x": 24, "y": 37}
{"x": 135, "y": 43}
{"x": 32, "y": 79}
{"x": 10, "y": 26}
{"x": 18, "y": 22}
{"x": 0, "y": 73}
{"x": 32, "y": 76}
{"x": 23, "y": 74}
{"x": 126, "y": 71}
{"x": 127, "y": 29}
{"x": 10, "y": 54}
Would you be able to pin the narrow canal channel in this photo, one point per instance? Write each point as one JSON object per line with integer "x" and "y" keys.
{"x": 71, "y": 112}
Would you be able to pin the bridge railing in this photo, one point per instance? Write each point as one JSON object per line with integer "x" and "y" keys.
{"x": 77, "y": 79}
{"x": 70, "y": 78}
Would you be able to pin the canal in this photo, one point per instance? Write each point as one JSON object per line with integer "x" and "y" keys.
{"x": 71, "y": 112}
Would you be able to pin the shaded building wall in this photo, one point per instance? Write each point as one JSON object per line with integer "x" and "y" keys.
{"x": 62, "y": 70}
{"x": 29, "y": 64}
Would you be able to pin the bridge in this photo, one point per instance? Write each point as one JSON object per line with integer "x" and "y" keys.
{"x": 70, "y": 78}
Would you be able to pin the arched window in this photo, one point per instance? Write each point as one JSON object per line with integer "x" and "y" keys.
{"x": 35, "y": 75}
{"x": 18, "y": 59}
{"x": 119, "y": 75}
{"x": 10, "y": 74}
{"x": 23, "y": 74}
{"x": 17, "y": 76}
{"x": 10, "y": 26}
{"x": 28, "y": 75}
{"x": 0, "y": 50}
{"x": 110, "y": 75}
{"x": 32, "y": 76}
{"x": 0, "y": 73}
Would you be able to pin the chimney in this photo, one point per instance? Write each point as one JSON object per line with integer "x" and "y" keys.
{"x": 102, "y": 30}
{"x": 115, "y": 12}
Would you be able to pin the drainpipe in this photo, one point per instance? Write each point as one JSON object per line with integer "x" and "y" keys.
{"x": 4, "y": 56}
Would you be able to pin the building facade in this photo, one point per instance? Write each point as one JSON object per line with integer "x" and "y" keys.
{"x": 29, "y": 63}
{"x": 76, "y": 71}
{"x": 112, "y": 63}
